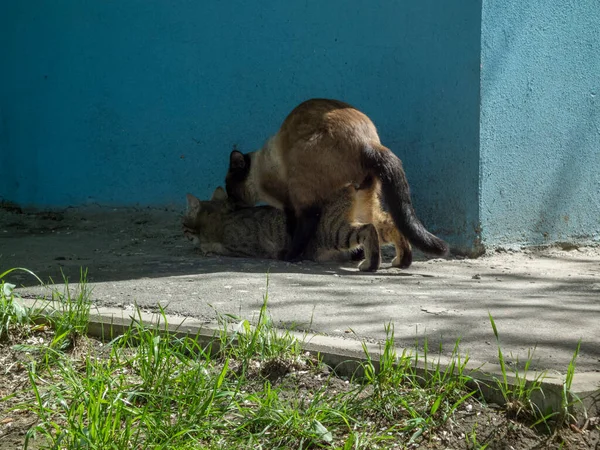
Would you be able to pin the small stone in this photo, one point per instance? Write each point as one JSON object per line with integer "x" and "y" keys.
{"x": 476, "y": 277}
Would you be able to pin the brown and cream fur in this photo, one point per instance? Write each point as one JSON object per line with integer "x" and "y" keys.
{"x": 217, "y": 226}
{"x": 323, "y": 146}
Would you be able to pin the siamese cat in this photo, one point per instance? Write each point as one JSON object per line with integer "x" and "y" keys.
{"x": 323, "y": 146}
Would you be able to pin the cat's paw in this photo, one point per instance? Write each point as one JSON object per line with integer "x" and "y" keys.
{"x": 368, "y": 266}
{"x": 357, "y": 254}
{"x": 403, "y": 262}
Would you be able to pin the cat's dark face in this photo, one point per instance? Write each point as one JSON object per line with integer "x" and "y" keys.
{"x": 204, "y": 218}
{"x": 236, "y": 180}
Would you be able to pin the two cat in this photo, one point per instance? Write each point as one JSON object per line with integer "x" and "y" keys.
{"x": 218, "y": 226}
{"x": 323, "y": 174}
{"x": 321, "y": 147}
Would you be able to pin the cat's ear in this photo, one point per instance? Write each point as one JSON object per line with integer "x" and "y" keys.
{"x": 237, "y": 161}
{"x": 219, "y": 194}
{"x": 193, "y": 204}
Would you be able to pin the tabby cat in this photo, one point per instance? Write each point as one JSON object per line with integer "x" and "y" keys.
{"x": 219, "y": 227}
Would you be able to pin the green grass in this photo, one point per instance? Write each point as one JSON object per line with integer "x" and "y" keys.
{"x": 569, "y": 399}
{"x": 416, "y": 401}
{"x": 13, "y": 315}
{"x": 245, "y": 342}
{"x": 70, "y": 312}
{"x": 471, "y": 440}
{"x": 519, "y": 391}
{"x": 253, "y": 387}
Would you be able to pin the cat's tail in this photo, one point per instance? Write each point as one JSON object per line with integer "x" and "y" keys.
{"x": 396, "y": 194}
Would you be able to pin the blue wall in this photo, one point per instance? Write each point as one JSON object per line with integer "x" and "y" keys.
{"x": 139, "y": 102}
{"x": 540, "y": 122}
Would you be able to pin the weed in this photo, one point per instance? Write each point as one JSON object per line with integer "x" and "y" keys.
{"x": 263, "y": 341}
{"x": 70, "y": 311}
{"x": 163, "y": 391}
{"x": 471, "y": 440}
{"x": 517, "y": 394}
{"x": 568, "y": 398}
{"x": 12, "y": 313}
{"x": 566, "y": 403}
{"x": 417, "y": 400}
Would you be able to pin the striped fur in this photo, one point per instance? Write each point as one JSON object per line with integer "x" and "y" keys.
{"x": 217, "y": 226}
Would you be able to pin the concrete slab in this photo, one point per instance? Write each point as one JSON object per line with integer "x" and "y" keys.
{"x": 547, "y": 300}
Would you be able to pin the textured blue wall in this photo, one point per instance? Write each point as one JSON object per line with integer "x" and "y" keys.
{"x": 138, "y": 102}
{"x": 540, "y": 122}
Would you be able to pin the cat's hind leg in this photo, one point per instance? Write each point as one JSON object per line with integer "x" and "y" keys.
{"x": 365, "y": 236}
{"x": 403, "y": 258}
{"x": 389, "y": 234}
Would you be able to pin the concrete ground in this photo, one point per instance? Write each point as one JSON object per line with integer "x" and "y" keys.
{"x": 547, "y": 300}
